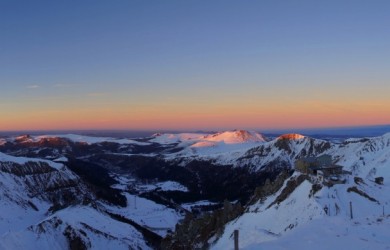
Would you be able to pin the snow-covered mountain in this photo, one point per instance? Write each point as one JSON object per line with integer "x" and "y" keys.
{"x": 44, "y": 205}
{"x": 227, "y": 137}
{"x": 72, "y": 137}
{"x": 30, "y": 187}
{"x": 79, "y": 227}
{"x": 314, "y": 215}
{"x": 235, "y": 136}
{"x": 365, "y": 157}
{"x": 72, "y": 191}
{"x": 310, "y": 215}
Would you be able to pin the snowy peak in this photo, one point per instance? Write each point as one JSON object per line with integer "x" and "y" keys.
{"x": 23, "y": 139}
{"x": 236, "y": 136}
{"x": 291, "y": 137}
{"x": 207, "y": 140}
{"x": 365, "y": 157}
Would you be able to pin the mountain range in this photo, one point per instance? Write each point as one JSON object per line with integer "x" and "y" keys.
{"x": 192, "y": 190}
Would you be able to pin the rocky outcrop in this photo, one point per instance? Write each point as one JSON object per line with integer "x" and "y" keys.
{"x": 361, "y": 193}
{"x": 38, "y": 179}
{"x": 291, "y": 185}
{"x": 269, "y": 187}
{"x": 193, "y": 233}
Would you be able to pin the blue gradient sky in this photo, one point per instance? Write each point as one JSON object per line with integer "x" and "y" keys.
{"x": 193, "y": 64}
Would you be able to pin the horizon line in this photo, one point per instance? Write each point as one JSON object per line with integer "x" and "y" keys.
{"x": 197, "y": 130}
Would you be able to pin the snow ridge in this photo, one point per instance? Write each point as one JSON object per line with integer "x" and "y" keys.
{"x": 236, "y": 136}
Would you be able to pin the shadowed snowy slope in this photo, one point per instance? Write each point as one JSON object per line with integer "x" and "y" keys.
{"x": 41, "y": 208}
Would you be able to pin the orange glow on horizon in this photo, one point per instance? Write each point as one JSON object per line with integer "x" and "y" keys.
{"x": 190, "y": 117}
{"x": 288, "y": 109}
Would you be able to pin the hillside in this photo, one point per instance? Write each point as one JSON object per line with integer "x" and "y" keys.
{"x": 305, "y": 219}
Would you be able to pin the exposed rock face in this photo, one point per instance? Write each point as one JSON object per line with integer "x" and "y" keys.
{"x": 361, "y": 193}
{"x": 291, "y": 185}
{"x": 193, "y": 233}
{"x": 269, "y": 188}
{"x": 28, "y": 168}
{"x": 281, "y": 153}
{"x": 379, "y": 180}
{"x": 39, "y": 179}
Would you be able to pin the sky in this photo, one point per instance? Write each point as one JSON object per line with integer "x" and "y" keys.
{"x": 189, "y": 65}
